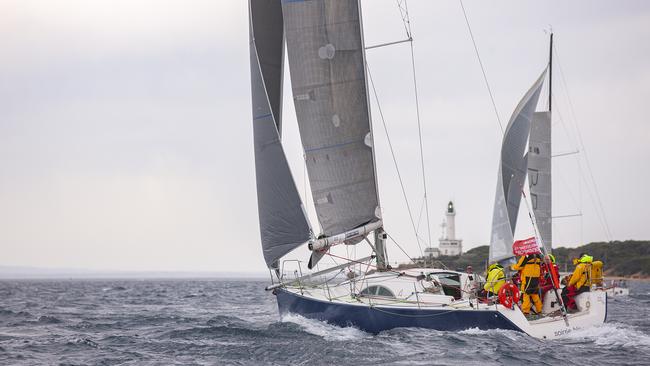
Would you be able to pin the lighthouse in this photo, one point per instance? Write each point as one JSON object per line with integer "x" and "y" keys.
{"x": 449, "y": 245}
{"x": 450, "y": 222}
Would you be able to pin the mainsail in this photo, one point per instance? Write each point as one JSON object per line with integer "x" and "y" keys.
{"x": 539, "y": 175}
{"x": 328, "y": 76}
{"x": 283, "y": 224}
{"x": 512, "y": 174}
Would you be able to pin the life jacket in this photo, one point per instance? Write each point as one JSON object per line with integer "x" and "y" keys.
{"x": 530, "y": 272}
{"x": 581, "y": 275}
{"x": 529, "y": 266}
{"x": 597, "y": 273}
{"x": 550, "y": 276}
{"x": 495, "y": 279}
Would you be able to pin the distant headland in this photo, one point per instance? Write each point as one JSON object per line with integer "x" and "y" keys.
{"x": 629, "y": 258}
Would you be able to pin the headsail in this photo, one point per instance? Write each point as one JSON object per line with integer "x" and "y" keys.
{"x": 512, "y": 174}
{"x": 283, "y": 224}
{"x": 328, "y": 76}
{"x": 539, "y": 175}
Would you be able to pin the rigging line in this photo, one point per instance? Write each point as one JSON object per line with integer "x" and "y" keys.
{"x": 389, "y": 43}
{"x": 580, "y": 199}
{"x": 567, "y": 216}
{"x": 574, "y": 141}
{"x": 420, "y": 215}
{"x": 424, "y": 242}
{"x": 559, "y": 155}
{"x": 392, "y": 152}
{"x": 579, "y": 134}
{"x": 304, "y": 176}
{"x": 404, "y": 14}
{"x": 568, "y": 188}
{"x": 581, "y": 175}
{"x": 569, "y": 137}
{"x": 304, "y": 181}
{"x": 591, "y": 194}
{"x": 478, "y": 56}
{"x": 400, "y": 247}
{"x": 417, "y": 112}
{"x": 565, "y": 128}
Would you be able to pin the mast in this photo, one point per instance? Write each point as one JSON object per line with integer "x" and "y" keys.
{"x": 550, "y": 72}
{"x": 540, "y": 166}
{"x": 380, "y": 234}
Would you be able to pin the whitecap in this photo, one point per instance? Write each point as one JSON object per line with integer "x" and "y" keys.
{"x": 613, "y": 335}
{"x": 322, "y": 329}
{"x": 510, "y": 334}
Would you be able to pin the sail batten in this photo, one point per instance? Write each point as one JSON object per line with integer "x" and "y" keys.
{"x": 283, "y": 223}
{"x": 512, "y": 174}
{"x": 327, "y": 67}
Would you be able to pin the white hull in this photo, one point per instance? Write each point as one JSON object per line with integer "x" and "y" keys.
{"x": 592, "y": 308}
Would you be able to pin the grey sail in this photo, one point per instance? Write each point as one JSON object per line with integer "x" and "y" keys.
{"x": 513, "y": 194}
{"x": 266, "y": 28}
{"x": 328, "y": 77}
{"x": 283, "y": 224}
{"x": 512, "y": 174}
{"x": 502, "y": 236}
{"x": 539, "y": 175}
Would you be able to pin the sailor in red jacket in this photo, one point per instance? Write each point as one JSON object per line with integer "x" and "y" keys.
{"x": 547, "y": 277}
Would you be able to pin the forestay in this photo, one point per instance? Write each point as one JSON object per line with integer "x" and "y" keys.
{"x": 512, "y": 174}
{"x": 283, "y": 224}
{"x": 326, "y": 59}
{"x": 539, "y": 174}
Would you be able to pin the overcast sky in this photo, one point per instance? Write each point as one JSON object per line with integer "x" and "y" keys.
{"x": 126, "y": 133}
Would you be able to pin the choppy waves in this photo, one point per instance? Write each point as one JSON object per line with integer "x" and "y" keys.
{"x": 236, "y": 322}
{"x": 326, "y": 331}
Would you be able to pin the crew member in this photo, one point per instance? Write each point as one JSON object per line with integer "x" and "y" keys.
{"x": 546, "y": 280}
{"x": 579, "y": 281}
{"x": 530, "y": 272}
{"x": 472, "y": 285}
{"x": 494, "y": 280}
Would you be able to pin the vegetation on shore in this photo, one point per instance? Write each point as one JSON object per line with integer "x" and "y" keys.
{"x": 629, "y": 258}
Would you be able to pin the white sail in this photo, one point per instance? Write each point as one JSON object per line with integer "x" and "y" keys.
{"x": 512, "y": 174}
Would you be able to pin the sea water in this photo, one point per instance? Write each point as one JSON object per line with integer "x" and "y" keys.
{"x": 219, "y": 322}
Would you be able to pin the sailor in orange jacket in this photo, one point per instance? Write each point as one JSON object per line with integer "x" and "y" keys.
{"x": 529, "y": 266}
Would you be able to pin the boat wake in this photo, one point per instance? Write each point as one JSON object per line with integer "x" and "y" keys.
{"x": 510, "y": 334}
{"x": 612, "y": 335}
{"x": 324, "y": 330}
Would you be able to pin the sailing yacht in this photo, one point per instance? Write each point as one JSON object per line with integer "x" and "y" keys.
{"x": 326, "y": 53}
